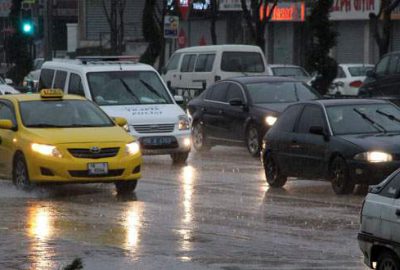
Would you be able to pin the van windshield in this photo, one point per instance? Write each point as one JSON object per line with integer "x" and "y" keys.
{"x": 127, "y": 88}
{"x": 242, "y": 62}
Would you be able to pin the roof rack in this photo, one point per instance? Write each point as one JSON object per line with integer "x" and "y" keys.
{"x": 121, "y": 59}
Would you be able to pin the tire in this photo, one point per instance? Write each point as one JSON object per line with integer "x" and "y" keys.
{"x": 199, "y": 139}
{"x": 125, "y": 187}
{"x": 340, "y": 177}
{"x": 253, "y": 141}
{"x": 20, "y": 174}
{"x": 388, "y": 261}
{"x": 272, "y": 173}
{"x": 179, "y": 158}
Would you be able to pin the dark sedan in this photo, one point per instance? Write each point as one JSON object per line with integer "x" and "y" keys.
{"x": 239, "y": 111}
{"x": 348, "y": 142}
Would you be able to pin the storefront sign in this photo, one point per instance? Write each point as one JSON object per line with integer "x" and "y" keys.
{"x": 5, "y": 6}
{"x": 354, "y": 9}
{"x": 171, "y": 25}
{"x": 231, "y": 5}
{"x": 184, "y": 8}
{"x": 285, "y": 12}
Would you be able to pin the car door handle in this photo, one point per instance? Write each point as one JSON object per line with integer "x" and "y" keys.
{"x": 398, "y": 212}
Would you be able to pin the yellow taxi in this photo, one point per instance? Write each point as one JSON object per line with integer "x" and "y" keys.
{"x": 55, "y": 138}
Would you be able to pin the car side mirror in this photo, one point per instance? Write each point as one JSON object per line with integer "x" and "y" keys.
{"x": 371, "y": 73}
{"x": 6, "y": 124}
{"x": 120, "y": 121}
{"x": 179, "y": 99}
{"x": 8, "y": 81}
{"x": 236, "y": 102}
{"x": 318, "y": 130}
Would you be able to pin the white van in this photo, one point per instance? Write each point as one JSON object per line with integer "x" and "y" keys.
{"x": 130, "y": 90}
{"x": 194, "y": 69}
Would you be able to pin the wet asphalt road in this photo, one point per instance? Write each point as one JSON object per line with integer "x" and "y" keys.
{"x": 217, "y": 212}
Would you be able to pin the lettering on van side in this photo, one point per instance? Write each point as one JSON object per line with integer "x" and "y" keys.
{"x": 144, "y": 111}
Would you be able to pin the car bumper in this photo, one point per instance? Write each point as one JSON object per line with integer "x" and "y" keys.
{"x": 366, "y": 247}
{"x": 44, "y": 169}
{"x": 371, "y": 173}
{"x": 182, "y": 143}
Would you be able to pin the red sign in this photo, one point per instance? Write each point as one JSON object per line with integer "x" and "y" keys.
{"x": 289, "y": 12}
{"x": 184, "y": 8}
{"x": 202, "y": 41}
{"x": 182, "y": 39}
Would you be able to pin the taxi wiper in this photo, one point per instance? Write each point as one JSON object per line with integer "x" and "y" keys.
{"x": 369, "y": 120}
{"x": 390, "y": 116}
{"x": 43, "y": 125}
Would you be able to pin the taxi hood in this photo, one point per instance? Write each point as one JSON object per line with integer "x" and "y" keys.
{"x": 78, "y": 135}
{"x": 145, "y": 114}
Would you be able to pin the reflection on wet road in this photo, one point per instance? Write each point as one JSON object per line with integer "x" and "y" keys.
{"x": 216, "y": 212}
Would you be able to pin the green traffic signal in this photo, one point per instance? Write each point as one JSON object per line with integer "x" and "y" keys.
{"x": 28, "y": 28}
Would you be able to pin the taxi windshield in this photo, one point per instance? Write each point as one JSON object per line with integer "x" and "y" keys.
{"x": 62, "y": 114}
{"x": 127, "y": 88}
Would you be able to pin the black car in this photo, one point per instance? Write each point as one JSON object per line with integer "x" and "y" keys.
{"x": 348, "y": 141}
{"x": 383, "y": 81}
{"x": 240, "y": 110}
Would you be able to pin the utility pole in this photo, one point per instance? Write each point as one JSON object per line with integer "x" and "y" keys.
{"x": 48, "y": 29}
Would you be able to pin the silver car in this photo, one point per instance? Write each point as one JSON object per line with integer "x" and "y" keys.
{"x": 379, "y": 236}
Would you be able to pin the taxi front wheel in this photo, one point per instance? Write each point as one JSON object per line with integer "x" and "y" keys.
{"x": 20, "y": 173}
{"x": 125, "y": 187}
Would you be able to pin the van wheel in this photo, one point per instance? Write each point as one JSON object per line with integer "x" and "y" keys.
{"x": 273, "y": 174}
{"x": 21, "y": 174}
{"x": 253, "y": 141}
{"x": 179, "y": 158}
{"x": 340, "y": 177}
{"x": 125, "y": 187}
{"x": 388, "y": 261}
{"x": 199, "y": 139}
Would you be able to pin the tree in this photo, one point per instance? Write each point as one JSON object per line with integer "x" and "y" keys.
{"x": 115, "y": 19}
{"x": 255, "y": 22}
{"x": 322, "y": 40}
{"x": 382, "y": 29}
{"x": 17, "y": 46}
{"x": 152, "y": 32}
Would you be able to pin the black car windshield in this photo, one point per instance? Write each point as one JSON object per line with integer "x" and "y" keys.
{"x": 364, "y": 118}
{"x": 242, "y": 62}
{"x": 127, "y": 88}
{"x": 289, "y": 72}
{"x": 279, "y": 92}
{"x": 63, "y": 113}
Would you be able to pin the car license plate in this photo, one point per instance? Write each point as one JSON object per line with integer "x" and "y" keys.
{"x": 157, "y": 140}
{"x": 97, "y": 168}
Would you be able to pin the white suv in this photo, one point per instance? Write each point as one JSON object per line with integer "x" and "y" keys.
{"x": 126, "y": 89}
{"x": 379, "y": 236}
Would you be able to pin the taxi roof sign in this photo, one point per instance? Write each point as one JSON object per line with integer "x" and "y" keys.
{"x": 52, "y": 93}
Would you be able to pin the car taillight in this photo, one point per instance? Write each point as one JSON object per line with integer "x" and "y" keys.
{"x": 356, "y": 84}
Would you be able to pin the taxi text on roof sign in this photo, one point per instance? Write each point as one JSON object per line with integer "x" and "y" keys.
{"x": 51, "y": 93}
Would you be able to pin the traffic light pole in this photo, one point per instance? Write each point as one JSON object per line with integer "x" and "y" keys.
{"x": 48, "y": 29}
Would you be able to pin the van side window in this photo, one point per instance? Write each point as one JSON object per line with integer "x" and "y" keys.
{"x": 381, "y": 67}
{"x": 46, "y": 78}
{"x": 174, "y": 61}
{"x": 59, "y": 81}
{"x": 205, "y": 62}
{"x": 75, "y": 85}
{"x": 188, "y": 63}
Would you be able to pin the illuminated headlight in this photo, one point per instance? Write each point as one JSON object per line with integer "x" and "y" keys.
{"x": 183, "y": 123}
{"x": 374, "y": 157}
{"x": 270, "y": 120}
{"x": 46, "y": 150}
{"x": 132, "y": 148}
{"x": 126, "y": 128}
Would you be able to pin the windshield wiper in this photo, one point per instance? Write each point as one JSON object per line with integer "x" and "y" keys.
{"x": 42, "y": 125}
{"x": 129, "y": 90}
{"x": 390, "y": 116}
{"x": 151, "y": 88}
{"x": 369, "y": 120}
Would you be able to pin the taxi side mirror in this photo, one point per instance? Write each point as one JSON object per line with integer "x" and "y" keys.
{"x": 6, "y": 124}
{"x": 120, "y": 121}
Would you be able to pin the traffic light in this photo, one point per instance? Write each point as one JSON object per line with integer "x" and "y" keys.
{"x": 28, "y": 27}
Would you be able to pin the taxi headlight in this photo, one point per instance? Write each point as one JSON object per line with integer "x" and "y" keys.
{"x": 132, "y": 148}
{"x": 126, "y": 128}
{"x": 183, "y": 123}
{"x": 270, "y": 120}
{"x": 374, "y": 157}
{"x": 46, "y": 150}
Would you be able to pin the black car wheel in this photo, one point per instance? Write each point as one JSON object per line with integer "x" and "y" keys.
{"x": 272, "y": 173}
{"x": 388, "y": 261}
{"x": 125, "y": 187}
{"x": 198, "y": 138}
{"x": 340, "y": 177}
{"x": 20, "y": 174}
{"x": 179, "y": 158}
{"x": 253, "y": 141}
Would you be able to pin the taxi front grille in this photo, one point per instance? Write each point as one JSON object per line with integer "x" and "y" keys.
{"x": 88, "y": 153}
{"x": 158, "y": 128}
{"x": 85, "y": 174}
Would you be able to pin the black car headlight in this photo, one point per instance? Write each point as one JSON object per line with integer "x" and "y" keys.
{"x": 374, "y": 157}
{"x": 270, "y": 120}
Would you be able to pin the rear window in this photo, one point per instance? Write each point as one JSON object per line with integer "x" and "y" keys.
{"x": 242, "y": 62}
{"x": 359, "y": 71}
{"x": 289, "y": 71}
